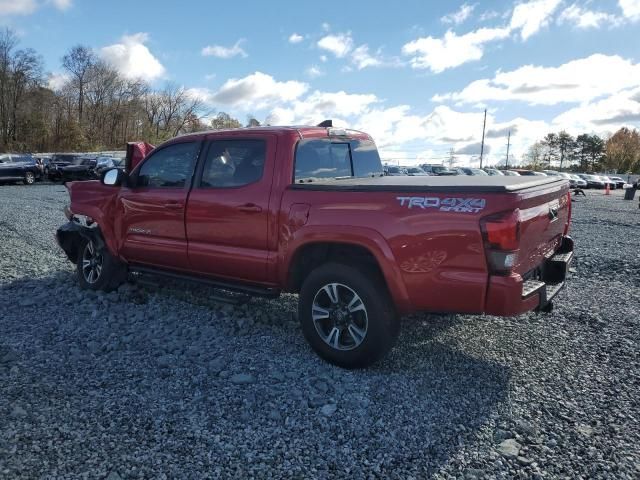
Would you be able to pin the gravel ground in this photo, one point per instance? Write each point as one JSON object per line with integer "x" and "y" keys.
{"x": 162, "y": 382}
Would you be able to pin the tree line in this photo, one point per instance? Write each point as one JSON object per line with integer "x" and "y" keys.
{"x": 587, "y": 152}
{"x": 95, "y": 108}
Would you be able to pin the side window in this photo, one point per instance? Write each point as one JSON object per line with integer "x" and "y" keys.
{"x": 233, "y": 163}
{"x": 322, "y": 159}
{"x": 366, "y": 160}
{"x": 169, "y": 167}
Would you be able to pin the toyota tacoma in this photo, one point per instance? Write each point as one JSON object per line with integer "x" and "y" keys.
{"x": 307, "y": 210}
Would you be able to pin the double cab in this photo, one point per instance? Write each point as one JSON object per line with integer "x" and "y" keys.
{"x": 308, "y": 210}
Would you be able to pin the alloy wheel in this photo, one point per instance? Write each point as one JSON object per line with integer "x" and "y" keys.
{"x": 339, "y": 316}
{"x": 91, "y": 263}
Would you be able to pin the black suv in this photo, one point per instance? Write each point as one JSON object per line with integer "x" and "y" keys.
{"x": 19, "y": 166}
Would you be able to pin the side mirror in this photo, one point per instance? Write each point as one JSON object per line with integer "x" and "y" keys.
{"x": 114, "y": 177}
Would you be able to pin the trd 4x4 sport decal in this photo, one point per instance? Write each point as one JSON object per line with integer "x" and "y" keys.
{"x": 451, "y": 204}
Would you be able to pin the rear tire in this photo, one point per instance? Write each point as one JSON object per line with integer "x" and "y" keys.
{"x": 29, "y": 178}
{"x": 98, "y": 269}
{"x": 347, "y": 315}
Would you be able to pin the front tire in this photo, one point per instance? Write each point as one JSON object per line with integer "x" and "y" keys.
{"x": 98, "y": 269}
{"x": 347, "y": 315}
{"x": 29, "y": 178}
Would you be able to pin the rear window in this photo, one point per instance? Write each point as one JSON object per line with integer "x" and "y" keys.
{"x": 325, "y": 159}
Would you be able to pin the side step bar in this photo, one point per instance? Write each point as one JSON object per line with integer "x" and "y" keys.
{"x": 246, "y": 289}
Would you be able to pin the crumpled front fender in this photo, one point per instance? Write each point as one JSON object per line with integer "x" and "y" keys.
{"x": 70, "y": 235}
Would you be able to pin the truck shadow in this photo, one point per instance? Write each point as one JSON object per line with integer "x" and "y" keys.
{"x": 163, "y": 380}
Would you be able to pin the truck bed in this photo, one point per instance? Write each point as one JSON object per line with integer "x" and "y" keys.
{"x": 454, "y": 183}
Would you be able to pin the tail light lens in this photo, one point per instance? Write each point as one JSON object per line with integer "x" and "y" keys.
{"x": 501, "y": 235}
{"x": 568, "y": 224}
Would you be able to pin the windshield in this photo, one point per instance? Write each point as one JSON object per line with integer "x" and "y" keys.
{"x": 415, "y": 170}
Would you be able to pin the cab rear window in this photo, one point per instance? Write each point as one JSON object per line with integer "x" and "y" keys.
{"x": 326, "y": 159}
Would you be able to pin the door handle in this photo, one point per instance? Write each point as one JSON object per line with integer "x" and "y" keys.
{"x": 250, "y": 208}
{"x": 174, "y": 205}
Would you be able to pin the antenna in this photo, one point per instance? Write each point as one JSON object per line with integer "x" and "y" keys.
{"x": 484, "y": 124}
{"x": 326, "y": 124}
{"x": 506, "y": 165}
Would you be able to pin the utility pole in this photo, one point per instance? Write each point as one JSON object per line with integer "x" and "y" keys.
{"x": 484, "y": 125}
{"x": 506, "y": 166}
{"x": 452, "y": 158}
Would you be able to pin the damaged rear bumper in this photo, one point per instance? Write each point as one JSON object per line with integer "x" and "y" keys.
{"x": 513, "y": 294}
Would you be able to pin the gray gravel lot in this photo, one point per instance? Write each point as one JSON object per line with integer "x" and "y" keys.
{"x": 162, "y": 382}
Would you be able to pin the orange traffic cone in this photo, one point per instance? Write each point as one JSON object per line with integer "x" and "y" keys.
{"x": 607, "y": 190}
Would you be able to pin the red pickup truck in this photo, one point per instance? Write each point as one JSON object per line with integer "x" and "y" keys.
{"x": 308, "y": 210}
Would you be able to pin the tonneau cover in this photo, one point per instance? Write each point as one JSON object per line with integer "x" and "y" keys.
{"x": 452, "y": 183}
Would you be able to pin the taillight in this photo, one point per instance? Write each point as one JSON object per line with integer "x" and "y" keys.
{"x": 501, "y": 235}
{"x": 568, "y": 224}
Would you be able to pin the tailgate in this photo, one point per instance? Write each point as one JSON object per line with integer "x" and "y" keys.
{"x": 544, "y": 217}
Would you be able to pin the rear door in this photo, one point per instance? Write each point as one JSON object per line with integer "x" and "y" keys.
{"x": 8, "y": 168}
{"x": 152, "y": 207}
{"x": 228, "y": 209}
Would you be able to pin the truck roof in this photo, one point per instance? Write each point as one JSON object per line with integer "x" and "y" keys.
{"x": 454, "y": 183}
{"x": 303, "y": 131}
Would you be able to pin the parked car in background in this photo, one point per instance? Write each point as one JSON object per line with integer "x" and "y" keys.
{"x": 510, "y": 173}
{"x": 19, "y": 167}
{"x": 620, "y": 183}
{"x": 394, "y": 171}
{"x": 104, "y": 163}
{"x": 593, "y": 181}
{"x": 81, "y": 168}
{"x": 607, "y": 181}
{"x": 416, "y": 172}
{"x": 579, "y": 182}
{"x": 58, "y": 161}
{"x": 525, "y": 172}
{"x": 440, "y": 170}
{"x": 493, "y": 171}
{"x": 470, "y": 171}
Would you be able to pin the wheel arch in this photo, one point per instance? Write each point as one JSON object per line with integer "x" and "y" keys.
{"x": 347, "y": 245}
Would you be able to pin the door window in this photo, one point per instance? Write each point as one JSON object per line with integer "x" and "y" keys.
{"x": 169, "y": 167}
{"x": 233, "y": 163}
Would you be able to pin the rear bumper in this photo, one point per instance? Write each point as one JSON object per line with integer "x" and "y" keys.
{"x": 513, "y": 295}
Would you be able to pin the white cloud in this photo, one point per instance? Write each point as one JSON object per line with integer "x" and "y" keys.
{"x": 339, "y": 44}
{"x": 257, "y": 90}
{"x": 17, "y": 7}
{"x": 57, "y": 80}
{"x": 460, "y": 15}
{"x": 363, "y": 59}
{"x": 630, "y": 9}
{"x": 613, "y": 112}
{"x": 61, "y": 4}
{"x": 314, "y": 71}
{"x": 27, "y": 7}
{"x": 220, "y": 51}
{"x": 452, "y": 50}
{"x": 295, "y": 38}
{"x": 531, "y": 17}
{"x": 575, "y": 81}
{"x": 583, "y": 18}
{"x": 133, "y": 58}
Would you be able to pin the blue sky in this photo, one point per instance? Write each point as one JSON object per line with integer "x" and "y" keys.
{"x": 416, "y": 75}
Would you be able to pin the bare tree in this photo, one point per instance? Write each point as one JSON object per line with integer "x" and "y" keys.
{"x": 79, "y": 62}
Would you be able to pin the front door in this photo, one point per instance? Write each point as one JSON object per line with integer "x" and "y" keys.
{"x": 152, "y": 207}
{"x": 228, "y": 210}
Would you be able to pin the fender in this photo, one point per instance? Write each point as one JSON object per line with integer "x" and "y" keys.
{"x": 95, "y": 200}
{"x": 69, "y": 234}
{"x": 291, "y": 242}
